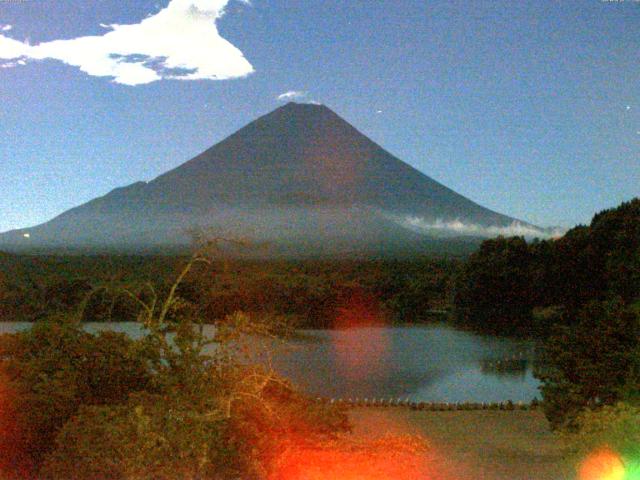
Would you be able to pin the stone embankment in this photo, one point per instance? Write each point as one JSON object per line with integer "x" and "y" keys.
{"x": 429, "y": 406}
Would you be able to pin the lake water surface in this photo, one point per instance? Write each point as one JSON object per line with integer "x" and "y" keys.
{"x": 434, "y": 363}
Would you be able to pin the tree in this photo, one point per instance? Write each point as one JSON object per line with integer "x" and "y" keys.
{"x": 501, "y": 282}
{"x": 598, "y": 261}
{"x": 109, "y": 304}
{"x": 616, "y": 233}
{"x": 591, "y": 362}
{"x": 493, "y": 291}
{"x": 65, "y": 294}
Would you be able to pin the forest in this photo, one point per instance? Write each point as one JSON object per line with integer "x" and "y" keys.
{"x": 510, "y": 286}
{"x": 307, "y": 293}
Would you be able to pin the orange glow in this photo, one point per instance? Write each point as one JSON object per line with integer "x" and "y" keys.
{"x": 11, "y": 462}
{"x": 602, "y": 464}
{"x": 397, "y": 458}
{"x": 358, "y": 355}
{"x": 335, "y": 166}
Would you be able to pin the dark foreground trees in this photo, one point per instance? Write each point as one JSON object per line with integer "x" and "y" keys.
{"x": 502, "y": 282}
{"x": 589, "y": 283}
{"x": 592, "y": 358}
{"x": 493, "y": 290}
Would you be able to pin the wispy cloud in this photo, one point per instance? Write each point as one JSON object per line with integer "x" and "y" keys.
{"x": 457, "y": 227}
{"x": 180, "y": 42}
{"x": 298, "y": 95}
{"x": 12, "y": 64}
{"x": 292, "y": 95}
{"x": 6, "y": 28}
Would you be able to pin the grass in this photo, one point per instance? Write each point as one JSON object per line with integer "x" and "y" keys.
{"x": 476, "y": 445}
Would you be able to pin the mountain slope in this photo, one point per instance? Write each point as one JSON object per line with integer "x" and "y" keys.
{"x": 299, "y": 174}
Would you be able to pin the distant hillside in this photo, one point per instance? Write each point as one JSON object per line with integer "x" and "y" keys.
{"x": 299, "y": 177}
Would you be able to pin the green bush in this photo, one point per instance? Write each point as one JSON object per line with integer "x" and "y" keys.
{"x": 151, "y": 436}
{"x": 592, "y": 363}
{"x": 54, "y": 368}
{"x": 614, "y": 427}
{"x": 82, "y": 406}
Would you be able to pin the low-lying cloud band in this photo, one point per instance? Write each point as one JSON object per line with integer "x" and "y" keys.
{"x": 458, "y": 227}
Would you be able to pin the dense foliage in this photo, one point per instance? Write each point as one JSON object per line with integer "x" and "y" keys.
{"x": 77, "y": 405}
{"x": 590, "y": 362}
{"x": 309, "y": 292}
{"x": 493, "y": 289}
{"x": 502, "y": 284}
{"x": 48, "y": 373}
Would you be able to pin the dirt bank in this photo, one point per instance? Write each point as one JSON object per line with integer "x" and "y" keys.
{"x": 476, "y": 445}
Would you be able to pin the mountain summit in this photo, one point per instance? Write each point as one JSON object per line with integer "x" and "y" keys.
{"x": 300, "y": 176}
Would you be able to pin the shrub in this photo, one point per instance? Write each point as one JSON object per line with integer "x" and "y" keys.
{"x": 152, "y": 436}
{"x": 593, "y": 363}
{"x": 53, "y": 369}
{"x": 613, "y": 428}
{"x": 106, "y": 406}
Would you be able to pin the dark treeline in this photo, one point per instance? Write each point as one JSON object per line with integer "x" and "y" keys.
{"x": 309, "y": 293}
{"x": 580, "y": 294}
{"x": 510, "y": 286}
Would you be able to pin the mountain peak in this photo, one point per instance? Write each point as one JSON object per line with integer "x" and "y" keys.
{"x": 305, "y": 107}
{"x": 293, "y": 104}
{"x": 301, "y": 108}
{"x": 300, "y": 173}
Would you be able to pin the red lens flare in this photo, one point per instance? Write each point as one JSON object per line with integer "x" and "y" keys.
{"x": 398, "y": 458}
{"x": 603, "y": 464}
{"x": 336, "y": 167}
{"x": 359, "y": 353}
{"x": 12, "y": 463}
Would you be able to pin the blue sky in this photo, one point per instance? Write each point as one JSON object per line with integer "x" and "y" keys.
{"x": 530, "y": 108}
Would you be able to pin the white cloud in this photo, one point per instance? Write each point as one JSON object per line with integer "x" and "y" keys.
{"x": 180, "y": 42}
{"x": 297, "y": 95}
{"x": 12, "y": 49}
{"x": 6, "y": 28}
{"x": 292, "y": 95}
{"x": 457, "y": 227}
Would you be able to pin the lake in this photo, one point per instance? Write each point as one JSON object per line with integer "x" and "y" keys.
{"x": 433, "y": 363}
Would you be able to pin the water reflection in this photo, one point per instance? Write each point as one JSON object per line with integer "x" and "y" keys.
{"x": 506, "y": 367}
{"x": 426, "y": 363}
